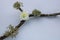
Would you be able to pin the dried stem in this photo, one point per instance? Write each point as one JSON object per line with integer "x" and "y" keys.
{"x": 23, "y": 21}
{"x": 19, "y": 25}
{"x": 20, "y": 9}
{"x": 45, "y": 15}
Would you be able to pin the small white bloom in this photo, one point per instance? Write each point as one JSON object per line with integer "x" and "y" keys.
{"x": 24, "y": 16}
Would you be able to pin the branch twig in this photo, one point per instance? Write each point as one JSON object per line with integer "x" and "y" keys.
{"x": 19, "y": 25}
{"x": 17, "y": 5}
{"x": 20, "y": 9}
{"x": 45, "y": 15}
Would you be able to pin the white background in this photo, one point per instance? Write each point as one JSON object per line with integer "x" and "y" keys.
{"x": 43, "y": 28}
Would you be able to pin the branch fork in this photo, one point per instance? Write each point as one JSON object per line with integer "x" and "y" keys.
{"x": 35, "y": 13}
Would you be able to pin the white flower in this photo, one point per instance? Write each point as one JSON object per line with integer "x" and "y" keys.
{"x": 24, "y": 16}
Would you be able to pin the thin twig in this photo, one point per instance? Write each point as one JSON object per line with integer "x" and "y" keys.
{"x": 20, "y": 9}
{"x": 45, "y": 15}
{"x": 23, "y": 21}
{"x": 19, "y": 25}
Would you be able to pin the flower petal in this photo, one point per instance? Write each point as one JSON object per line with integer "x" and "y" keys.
{"x": 24, "y": 16}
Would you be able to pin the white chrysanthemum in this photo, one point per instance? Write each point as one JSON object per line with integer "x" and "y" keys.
{"x": 24, "y": 16}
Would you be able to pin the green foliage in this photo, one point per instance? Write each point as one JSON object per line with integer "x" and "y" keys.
{"x": 36, "y": 12}
{"x": 17, "y": 5}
